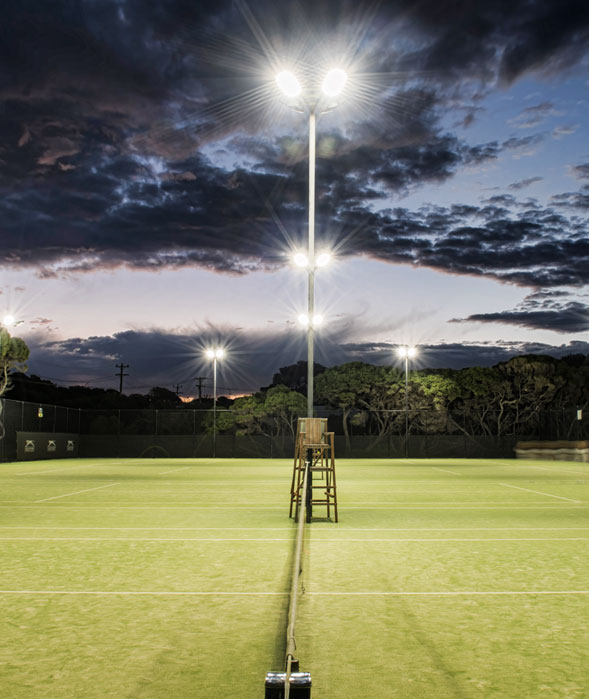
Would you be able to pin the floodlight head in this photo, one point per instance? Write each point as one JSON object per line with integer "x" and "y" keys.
{"x": 301, "y": 260}
{"x": 8, "y": 320}
{"x": 323, "y": 259}
{"x": 288, "y": 83}
{"x": 334, "y": 82}
{"x": 406, "y": 352}
{"x": 215, "y": 353}
{"x": 315, "y": 323}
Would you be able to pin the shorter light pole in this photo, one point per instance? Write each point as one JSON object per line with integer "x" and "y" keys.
{"x": 406, "y": 353}
{"x": 215, "y": 354}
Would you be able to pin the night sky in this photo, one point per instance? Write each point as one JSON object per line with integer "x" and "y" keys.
{"x": 154, "y": 184}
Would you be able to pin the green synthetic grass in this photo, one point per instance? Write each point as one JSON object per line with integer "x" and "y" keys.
{"x": 170, "y": 578}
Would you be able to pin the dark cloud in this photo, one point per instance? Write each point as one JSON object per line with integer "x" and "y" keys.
{"x": 525, "y": 183}
{"x": 581, "y": 171}
{"x": 162, "y": 358}
{"x": 137, "y": 134}
{"x": 572, "y": 317}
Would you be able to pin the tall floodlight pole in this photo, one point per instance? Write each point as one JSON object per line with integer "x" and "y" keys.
{"x": 215, "y": 354}
{"x": 406, "y": 353}
{"x": 315, "y": 102}
{"x": 311, "y": 268}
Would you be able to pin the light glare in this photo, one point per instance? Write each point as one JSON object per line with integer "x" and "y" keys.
{"x": 8, "y": 320}
{"x": 304, "y": 320}
{"x": 215, "y": 353}
{"x": 288, "y": 83}
{"x": 334, "y": 82}
{"x": 323, "y": 259}
{"x": 407, "y": 352}
{"x": 301, "y": 260}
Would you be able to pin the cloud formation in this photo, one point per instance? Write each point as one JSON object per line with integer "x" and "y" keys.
{"x": 147, "y": 136}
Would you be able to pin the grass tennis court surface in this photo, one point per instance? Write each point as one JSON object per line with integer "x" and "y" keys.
{"x": 170, "y": 578}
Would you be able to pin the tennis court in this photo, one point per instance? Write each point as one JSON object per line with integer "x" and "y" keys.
{"x": 152, "y": 578}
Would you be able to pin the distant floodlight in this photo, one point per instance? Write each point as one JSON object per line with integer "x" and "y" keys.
{"x": 215, "y": 353}
{"x": 334, "y": 82}
{"x": 288, "y": 83}
{"x": 8, "y": 320}
{"x": 304, "y": 320}
{"x": 407, "y": 352}
{"x": 323, "y": 259}
{"x": 301, "y": 260}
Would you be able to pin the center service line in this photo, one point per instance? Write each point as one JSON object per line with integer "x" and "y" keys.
{"x": 67, "y": 495}
{"x": 537, "y": 492}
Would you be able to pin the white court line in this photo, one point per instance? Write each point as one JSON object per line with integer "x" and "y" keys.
{"x": 168, "y": 539}
{"x": 537, "y": 492}
{"x": 69, "y": 468}
{"x": 139, "y": 593}
{"x": 166, "y": 529}
{"x": 123, "y": 506}
{"x": 339, "y": 529}
{"x": 445, "y": 470}
{"x": 161, "y": 473}
{"x": 323, "y": 540}
{"x": 67, "y": 495}
{"x": 453, "y": 593}
{"x": 55, "y": 470}
{"x": 555, "y": 470}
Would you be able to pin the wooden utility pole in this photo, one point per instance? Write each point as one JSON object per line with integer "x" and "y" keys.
{"x": 199, "y": 380}
{"x": 121, "y": 373}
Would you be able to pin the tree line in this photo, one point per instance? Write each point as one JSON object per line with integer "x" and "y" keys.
{"x": 511, "y": 398}
{"x": 516, "y": 397}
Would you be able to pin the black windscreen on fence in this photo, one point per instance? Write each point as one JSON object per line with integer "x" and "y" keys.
{"x": 185, "y": 432}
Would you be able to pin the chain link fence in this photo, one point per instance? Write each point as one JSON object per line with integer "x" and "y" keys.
{"x": 186, "y": 432}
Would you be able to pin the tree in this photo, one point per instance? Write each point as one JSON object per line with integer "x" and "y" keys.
{"x": 13, "y": 354}
{"x": 365, "y": 387}
{"x": 272, "y": 413}
{"x": 294, "y": 376}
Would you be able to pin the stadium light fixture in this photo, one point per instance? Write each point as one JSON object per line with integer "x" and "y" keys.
{"x": 215, "y": 354}
{"x": 288, "y": 83}
{"x": 334, "y": 82}
{"x": 316, "y": 321}
{"x": 407, "y": 352}
{"x": 314, "y": 103}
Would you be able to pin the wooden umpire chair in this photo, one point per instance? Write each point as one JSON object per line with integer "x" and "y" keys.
{"x": 313, "y": 437}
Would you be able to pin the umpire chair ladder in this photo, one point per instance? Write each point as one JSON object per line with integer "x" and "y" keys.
{"x": 315, "y": 444}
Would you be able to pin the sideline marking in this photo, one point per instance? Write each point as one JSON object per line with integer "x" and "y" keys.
{"x": 56, "y": 470}
{"x": 132, "y": 592}
{"x": 322, "y": 540}
{"x": 537, "y": 492}
{"x": 161, "y": 473}
{"x": 555, "y": 470}
{"x": 445, "y": 470}
{"x": 455, "y": 593}
{"x": 270, "y": 529}
{"x": 183, "y": 529}
{"x": 67, "y": 495}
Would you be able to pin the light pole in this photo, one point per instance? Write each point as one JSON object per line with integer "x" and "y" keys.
{"x": 315, "y": 102}
{"x": 215, "y": 354}
{"x": 407, "y": 353}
